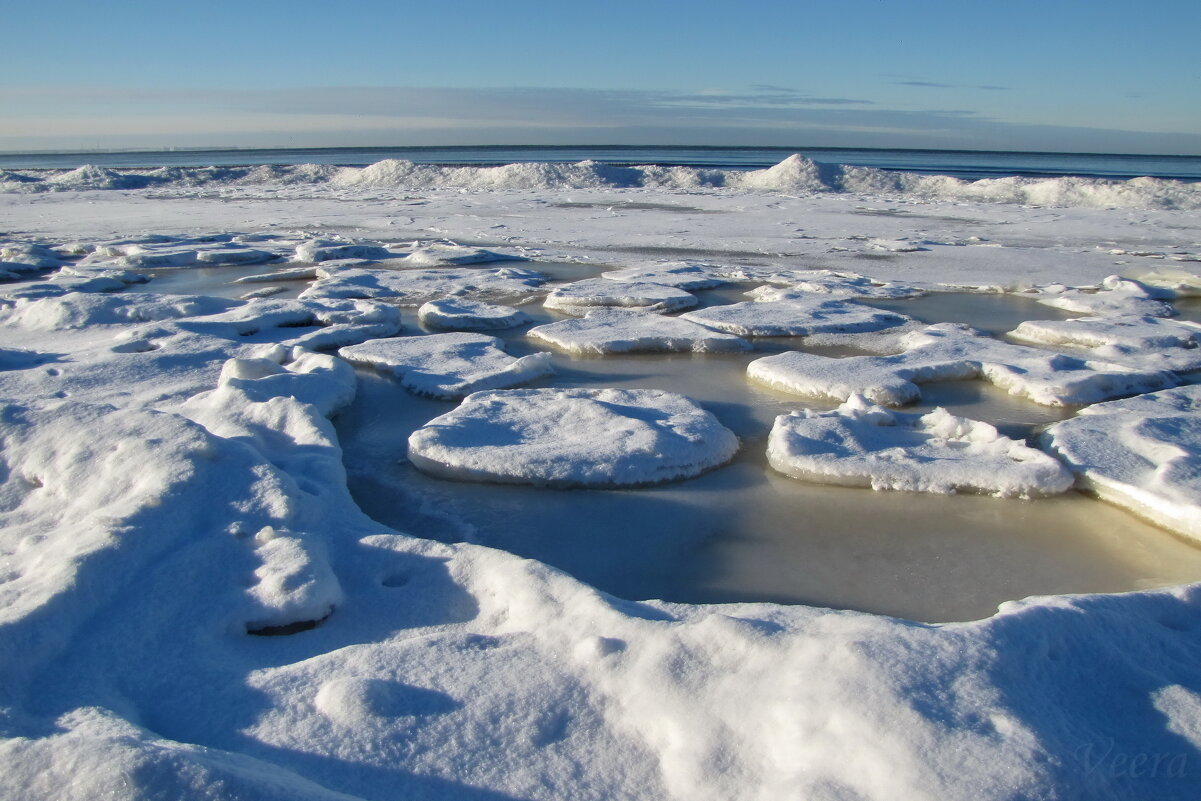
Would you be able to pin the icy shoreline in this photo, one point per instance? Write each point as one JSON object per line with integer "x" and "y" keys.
{"x": 458, "y": 671}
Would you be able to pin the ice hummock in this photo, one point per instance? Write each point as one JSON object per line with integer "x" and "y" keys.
{"x": 449, "y": 365}
{"x": 573, "y": 438}
{"x": 862, "y": 445}
{"x": 1142, "y": 453}
{"x": 946, "y": 352}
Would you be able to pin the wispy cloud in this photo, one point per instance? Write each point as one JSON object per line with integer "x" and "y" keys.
{"x": 936, "y": 85}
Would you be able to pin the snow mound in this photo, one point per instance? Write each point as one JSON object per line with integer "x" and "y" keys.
{"x": 469, "y": 315}
{"x": 1143, "y": 454}
{"x": 680, "y": 274}
{"x": 573, "y": 438}
{"x": 20, "y": 257}
{"x": 949, "y": 353}
{"x": 592, "y": 292}
{"x": 625, "y": 331}
{"x": 1137, "y": 341}
{"x": 1117, "y": 296}
{"x": 449, "y": 365}
{"x": 414, "y": 287}
{"x": 440, "y": 254}
{"x": 861, "y": 445}
{"x": 799, "y": 316}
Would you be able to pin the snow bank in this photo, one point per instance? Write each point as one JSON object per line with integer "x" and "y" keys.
{"x": 625, "y": 331}
{"x": 860, "y": 445}
{"x": 573, "y": 438}
{"x": 795, "y": 174}
{"x": 580, "y": 296}
{"x": 1143, "y": 454}
{"x": 949, "y": 353}
{"x": 800, "y": 315}
{"x": 469, "y": 315}
{"x": 449, "y": 365}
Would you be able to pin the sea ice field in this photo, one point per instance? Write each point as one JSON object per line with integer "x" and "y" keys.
{"x": 581, "y": 481}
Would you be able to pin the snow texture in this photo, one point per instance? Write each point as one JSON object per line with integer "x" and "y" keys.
{"x": 950, "y": 353}
{"x": 449, "y": 365}
{"x": 415, "y": 287}
{"x": 861, "y": 445}
{"x": 1137, "y": 341}
{"x": 1115, "y": 296}
{"x": 573, "y": 438}
{"x": 1143, "y": 454}
{"x": 625, "y": 331}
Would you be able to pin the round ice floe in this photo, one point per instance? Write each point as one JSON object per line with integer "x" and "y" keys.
{"x": 593, "y": 292}
{"x": 573, "y": 438}
{"x": 1141, "y": 453}
{"x": 680, "y": 274}
{"x": 469, "y": 315}
{"x": 860, "y": 445}
{"x": 797, "y": 317}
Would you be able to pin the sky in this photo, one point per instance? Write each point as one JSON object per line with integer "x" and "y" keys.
{"x": 1056, "y": 75}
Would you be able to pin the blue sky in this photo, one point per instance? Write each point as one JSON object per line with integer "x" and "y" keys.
{"x": 1072, "y": 76}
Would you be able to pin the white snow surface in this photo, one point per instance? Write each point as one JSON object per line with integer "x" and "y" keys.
{"x": 951, "y": 353}
{"x": 417, "y": 286}
{"x": 449, "y": 365}
{"x": 136, "y": 531}
{"x": 862, "y": 445}
{"x": 1140, "y": 453}
{"x": 1137, "y": 341}
{"x": 1116, "y": 296}
{"x": 627, "y": 331}
{"x": 573, "y": 438}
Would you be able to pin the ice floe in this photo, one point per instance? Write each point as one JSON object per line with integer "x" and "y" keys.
{"x": 580, "y": 296}
{"x": 680, "y": 274}
{"x": 458, "y": 314}
{"x": 1137, "y": 341}
{"x": 1115, "y": 296}
{"x": 573, "y": 438}
{"x": 1140, "y": 453}
{"x": 416, "y": 286}
{"x": 625, "y": 331}
{"x": 797, "y": 317}
{"x": 861, "y": 445}
{"x": 449, "y": 365}
{"x": 950, "y": 353}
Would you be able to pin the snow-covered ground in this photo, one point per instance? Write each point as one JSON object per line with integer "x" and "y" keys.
{"x": 192, "y": 605}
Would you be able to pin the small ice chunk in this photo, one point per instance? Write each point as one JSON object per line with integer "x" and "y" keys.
{"x": 583, "y": 295}
{"x": 469, "y": 315}
{"x": 894, "y": 245}
{"x": 680, "y": 274}
{"x": 295, "y": 274}
{"x": 573, "y": 438}
{"x": 625, "y": 331}
{"x": 1117, "y": 297}
{"x": 861, "y": 445}
{"x": 449, "y": 365}
{"x": 1143, "y": 454}
{"x": 797, "y": 317}
{"x": 414, "y": 287}
{"x": 20, "y": 257}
